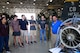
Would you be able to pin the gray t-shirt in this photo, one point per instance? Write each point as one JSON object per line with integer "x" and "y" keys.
{"x": 32, "y": 27}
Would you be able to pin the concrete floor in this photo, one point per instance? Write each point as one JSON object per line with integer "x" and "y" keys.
{"x": 32, "y": 48}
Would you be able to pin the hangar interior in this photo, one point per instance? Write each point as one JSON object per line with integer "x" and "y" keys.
{"x": 65, "y": 9}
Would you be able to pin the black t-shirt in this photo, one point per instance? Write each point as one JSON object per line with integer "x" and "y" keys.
{"x": 23, "y": 24}
{"x": 42, "y": 23}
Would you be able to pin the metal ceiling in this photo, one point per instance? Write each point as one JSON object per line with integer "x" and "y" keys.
{"x": 28, "y": 3}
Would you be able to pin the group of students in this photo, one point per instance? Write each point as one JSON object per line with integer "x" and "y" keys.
{"x": 20, "y": 31}
{"x": 20, "y": 27}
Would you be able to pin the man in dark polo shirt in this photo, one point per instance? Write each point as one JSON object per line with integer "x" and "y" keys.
{"x": 24, "y": 27}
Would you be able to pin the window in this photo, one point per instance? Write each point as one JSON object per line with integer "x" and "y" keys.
{"x": 28, "y": 15}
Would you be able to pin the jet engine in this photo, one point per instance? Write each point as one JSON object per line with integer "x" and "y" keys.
{"x": 69, "y": 35}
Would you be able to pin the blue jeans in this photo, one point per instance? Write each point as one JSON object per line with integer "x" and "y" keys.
{"x": 4, "y": 43}
{"x": 42, "y": 34}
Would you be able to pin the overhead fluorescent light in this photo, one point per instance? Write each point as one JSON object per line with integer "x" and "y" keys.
{"x": 8, "y": 2}
{"x": 47, "y": 4}
{"x": 33, "y": 3}
{"x": 61, "y": 8}
{"x": 79, "y": 5}
{"x": 51, "y": 0}
{"x": 2, "y": 9}
{"x": 7, "y": 8}
{"x": 3, "y": 6}
{"x": 21, "y": 2}
{"x": 34, "y": 0}
{"x": 58, "y": 9}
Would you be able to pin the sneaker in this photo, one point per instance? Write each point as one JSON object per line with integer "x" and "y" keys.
{"x": 21, "y": 45}
{"x": 31, "y": 42}
{"x": 8, "y": 52}
{"x": 35, "y": 42}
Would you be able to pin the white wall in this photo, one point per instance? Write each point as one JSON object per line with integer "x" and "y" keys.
{"x": 27, "y": 15}
{"x": 24, "y": 10}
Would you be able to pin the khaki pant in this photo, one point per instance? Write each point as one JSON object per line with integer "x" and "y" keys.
{"x": 24, "y": 32}
{"x": 33, "y": 34}
{"x": 53, "y": 40}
